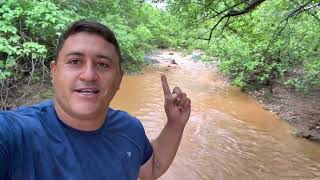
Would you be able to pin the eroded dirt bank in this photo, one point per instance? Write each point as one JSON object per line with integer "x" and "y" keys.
{"x": 301, "y": 110}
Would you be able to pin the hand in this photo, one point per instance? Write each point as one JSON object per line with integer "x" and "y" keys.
{"x": 177, "y": 105}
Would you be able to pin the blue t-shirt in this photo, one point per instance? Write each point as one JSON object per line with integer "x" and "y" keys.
{"x": 35, "y": 144}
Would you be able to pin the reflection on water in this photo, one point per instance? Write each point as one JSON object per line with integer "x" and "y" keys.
{"x": 228, "y": 136}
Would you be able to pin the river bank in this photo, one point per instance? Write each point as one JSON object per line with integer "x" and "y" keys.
{"x": 300, "y": 110}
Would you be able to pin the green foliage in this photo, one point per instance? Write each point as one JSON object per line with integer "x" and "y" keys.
{"x": 26, "y": 30}
{"x": 262, "y": 46}
{"x": 30, "y": 29}
{"x": 254, "y": 49}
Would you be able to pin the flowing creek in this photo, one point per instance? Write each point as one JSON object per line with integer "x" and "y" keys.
{"x": 229, "y": 135}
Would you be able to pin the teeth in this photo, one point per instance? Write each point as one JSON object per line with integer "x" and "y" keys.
{"x": 87, "y": 91}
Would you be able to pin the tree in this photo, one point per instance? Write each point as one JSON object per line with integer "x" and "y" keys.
{"x": 258, "y": 41}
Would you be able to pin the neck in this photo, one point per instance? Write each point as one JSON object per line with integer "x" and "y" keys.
{"x": 80, "y": 122}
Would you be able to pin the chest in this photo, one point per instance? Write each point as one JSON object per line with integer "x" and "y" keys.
{"x": 112, "y": 156}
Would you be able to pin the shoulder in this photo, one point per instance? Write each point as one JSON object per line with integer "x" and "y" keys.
{"x": 19, "y": 132}
{"x": 123, "y": 120}
{"x": 29, "y": 110}
{"x": 23, "y": 117}
{"x": 33, "y": 109}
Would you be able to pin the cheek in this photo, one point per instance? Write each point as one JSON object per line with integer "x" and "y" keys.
{"x": 110, "y": 83}
{"x": 64, "y": 80}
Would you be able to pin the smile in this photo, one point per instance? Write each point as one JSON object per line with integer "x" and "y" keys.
{"x": 87, "y": 91}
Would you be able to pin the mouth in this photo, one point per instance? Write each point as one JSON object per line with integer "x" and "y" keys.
{"x": 87, "y": 91}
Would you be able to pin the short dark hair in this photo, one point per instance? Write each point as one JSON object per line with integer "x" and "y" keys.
{"x": 89, "y": 26}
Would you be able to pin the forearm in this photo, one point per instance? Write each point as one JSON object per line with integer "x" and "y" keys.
{"x": 178, "y": 108}
{"x": 165, "y": 147}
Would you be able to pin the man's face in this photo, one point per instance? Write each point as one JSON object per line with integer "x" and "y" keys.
{"x": 86, "y": 76}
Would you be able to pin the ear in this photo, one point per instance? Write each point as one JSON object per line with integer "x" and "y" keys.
{"x": 120, "y": 79}
{"x": 53, "y": 68}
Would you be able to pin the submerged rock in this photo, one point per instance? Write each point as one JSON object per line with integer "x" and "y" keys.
{"x": 151, "y": 60}
{"x": 173, "y": 61}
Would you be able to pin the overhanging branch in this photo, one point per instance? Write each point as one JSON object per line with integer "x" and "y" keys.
{"x": 247, "y": 9}
{"x": 231, "y": 13}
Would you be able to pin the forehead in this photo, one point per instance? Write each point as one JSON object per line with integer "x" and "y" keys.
{"x": 89, "y": 44}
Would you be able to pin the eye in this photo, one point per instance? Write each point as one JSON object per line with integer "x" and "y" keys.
{"x": 74, "y": 61}
{"x": 103, "y": 65}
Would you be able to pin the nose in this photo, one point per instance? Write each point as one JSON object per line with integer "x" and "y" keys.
{"x": 89, "y": 73}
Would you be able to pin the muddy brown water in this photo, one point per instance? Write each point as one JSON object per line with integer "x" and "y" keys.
{"x": 228, "y": 136}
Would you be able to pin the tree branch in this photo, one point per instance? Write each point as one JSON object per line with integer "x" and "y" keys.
{"x": 247, "y": 9}
{"x": 250, "y": 6}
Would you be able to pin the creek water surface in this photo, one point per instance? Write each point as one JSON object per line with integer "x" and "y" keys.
{"x": 229, "y": 135}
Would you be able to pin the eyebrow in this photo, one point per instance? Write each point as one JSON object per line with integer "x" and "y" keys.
{"x": 76, "y": 53}
{"x": 104, "y": 57}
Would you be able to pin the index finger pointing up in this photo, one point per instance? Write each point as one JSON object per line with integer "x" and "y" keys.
{"x": 165, "y": 86}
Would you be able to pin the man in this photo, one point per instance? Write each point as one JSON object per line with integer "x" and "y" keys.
{"x": 76, "y": 135}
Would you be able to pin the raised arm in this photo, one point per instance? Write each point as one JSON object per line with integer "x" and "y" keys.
{"x": 177, "y": 107}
